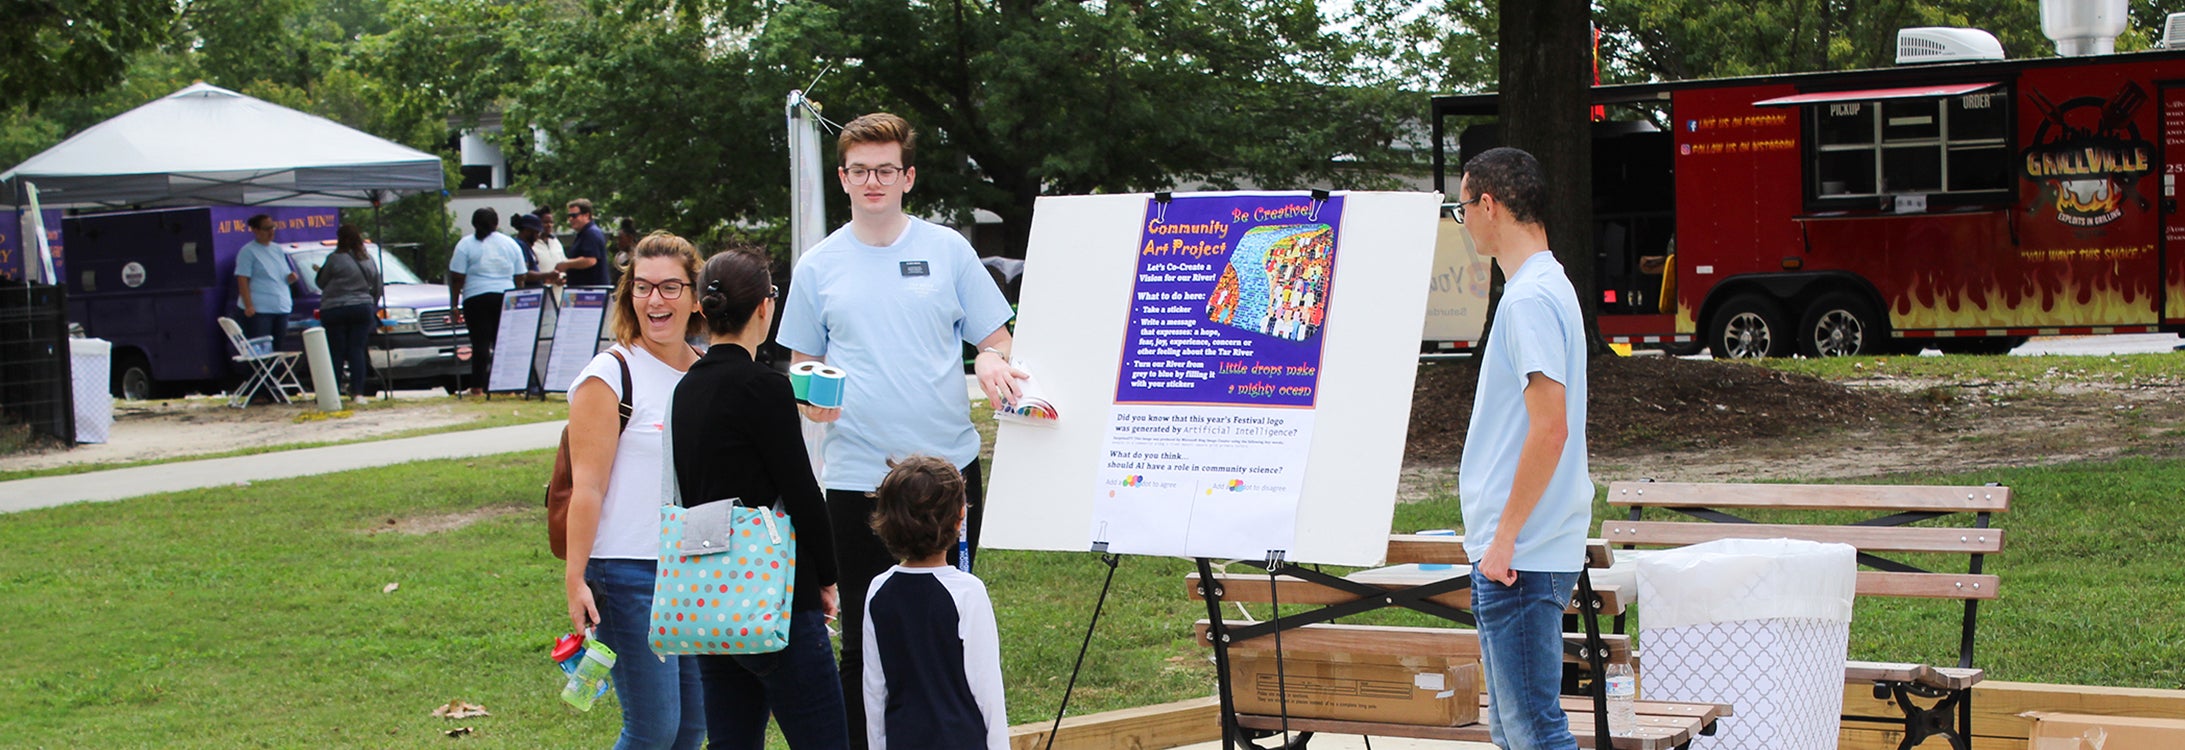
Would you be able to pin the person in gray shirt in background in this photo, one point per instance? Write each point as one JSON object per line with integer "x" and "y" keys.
{"x": 348, "y": 291}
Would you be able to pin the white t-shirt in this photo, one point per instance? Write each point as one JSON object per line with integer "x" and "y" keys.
{"x": 489, "y": 265}
{"x": 629, "y": 519}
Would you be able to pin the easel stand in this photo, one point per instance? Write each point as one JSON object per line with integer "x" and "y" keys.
{"x": 1109, "y": 559}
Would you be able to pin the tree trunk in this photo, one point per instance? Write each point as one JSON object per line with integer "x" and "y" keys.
{"x": 1546, "y": 92}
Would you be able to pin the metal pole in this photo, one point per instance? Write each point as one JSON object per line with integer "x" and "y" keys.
{"x": 379, "y": 311}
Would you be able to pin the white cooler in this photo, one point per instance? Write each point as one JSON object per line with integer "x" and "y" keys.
{"x": 92, "y": 361}
{"x": 1761, "y": 624}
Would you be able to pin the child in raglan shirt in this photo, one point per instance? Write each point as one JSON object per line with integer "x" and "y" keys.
{"x": 932, "y": 653}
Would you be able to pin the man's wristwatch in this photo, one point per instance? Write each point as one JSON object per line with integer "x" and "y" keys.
{"x": 997, "y": 352}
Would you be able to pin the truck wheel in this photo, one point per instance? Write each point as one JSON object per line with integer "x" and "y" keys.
{"x": 133, "y": 378}
{"x": 1750, "y": 326}
{"x": 1840, "y": 324}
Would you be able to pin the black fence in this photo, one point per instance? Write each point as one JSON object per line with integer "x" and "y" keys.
{"x": 35, "y": 386}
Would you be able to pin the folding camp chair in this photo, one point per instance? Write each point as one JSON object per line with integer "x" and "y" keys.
{"x": 271, "y": 370}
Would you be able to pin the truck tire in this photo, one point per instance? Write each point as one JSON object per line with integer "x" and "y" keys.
{"x": 1749, "y": 326}
{"x": 1841, "y": 324}
{"x": 132, "y": 378}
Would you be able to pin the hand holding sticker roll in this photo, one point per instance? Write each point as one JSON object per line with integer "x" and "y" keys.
{"x": 819, "y": 389}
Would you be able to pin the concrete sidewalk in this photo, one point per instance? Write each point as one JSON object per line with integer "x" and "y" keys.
{"x": 117, "y": 484}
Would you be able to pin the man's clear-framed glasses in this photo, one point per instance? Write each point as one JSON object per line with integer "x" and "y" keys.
{"x": 667, "y": 289}
{"x": 887, "y": 175}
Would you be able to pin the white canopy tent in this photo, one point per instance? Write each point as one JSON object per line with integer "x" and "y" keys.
{"x": 205, "y": 145}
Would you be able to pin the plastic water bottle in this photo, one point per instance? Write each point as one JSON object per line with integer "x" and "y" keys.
{"x": 587, "y": 663}
{"x": 1623, "y": 693}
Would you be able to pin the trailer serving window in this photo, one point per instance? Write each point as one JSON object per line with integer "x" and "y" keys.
{"x": 1950, "y": 143}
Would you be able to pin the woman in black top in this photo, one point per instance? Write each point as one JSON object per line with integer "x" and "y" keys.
{"x": 737, "y": 436}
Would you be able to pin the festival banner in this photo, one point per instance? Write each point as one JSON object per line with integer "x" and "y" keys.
{"x": 1219, "y": 373}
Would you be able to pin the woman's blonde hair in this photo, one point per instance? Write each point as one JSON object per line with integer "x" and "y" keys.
{"x": 656, "y": 245}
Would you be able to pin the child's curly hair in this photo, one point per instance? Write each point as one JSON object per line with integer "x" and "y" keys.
{"x": 919, "y": 507}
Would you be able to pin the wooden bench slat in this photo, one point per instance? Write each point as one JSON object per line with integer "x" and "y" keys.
{"x": 1810, "y": 496}
{"x": 1392, "y": 640}
{"x": 1947, "y": 678}
{"x": 1654, "y": 732}
{"x": 1866, "y": 538}
{"x": 1442, "y": 549}
{"x": 1251, "y": 588}
{"x": 1926, "y": 585}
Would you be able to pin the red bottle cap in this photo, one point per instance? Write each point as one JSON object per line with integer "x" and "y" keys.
{"x": 568, "y": 647}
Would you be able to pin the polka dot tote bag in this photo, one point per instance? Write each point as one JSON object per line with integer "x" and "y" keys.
{"x": 725, "y": 580}
{"x": 726, "y": 574}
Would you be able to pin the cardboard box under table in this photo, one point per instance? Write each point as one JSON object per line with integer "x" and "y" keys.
{"x": 1441, "y": 691}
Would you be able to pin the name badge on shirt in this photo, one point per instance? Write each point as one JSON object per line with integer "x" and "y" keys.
{"x": 915, "y": 268}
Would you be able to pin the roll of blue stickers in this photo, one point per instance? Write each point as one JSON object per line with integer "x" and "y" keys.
{"x": 827, "y": 387}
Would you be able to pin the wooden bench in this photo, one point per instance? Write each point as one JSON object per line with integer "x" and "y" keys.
{"x": 1442, "y": 593}
{"x": 1697, "y": 513}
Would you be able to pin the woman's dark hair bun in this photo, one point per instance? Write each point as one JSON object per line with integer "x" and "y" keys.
{"x": 736, "y": 282}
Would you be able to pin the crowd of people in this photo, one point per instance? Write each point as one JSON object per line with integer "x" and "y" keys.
{"x": 886, "y": 533}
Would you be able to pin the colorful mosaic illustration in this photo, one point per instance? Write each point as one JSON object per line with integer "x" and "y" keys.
{"x": 1277, "y": 281}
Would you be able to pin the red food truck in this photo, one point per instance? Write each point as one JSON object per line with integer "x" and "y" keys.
{"x": 1959, "y": 206}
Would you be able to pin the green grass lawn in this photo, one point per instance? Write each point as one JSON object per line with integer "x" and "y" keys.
{"x": 254, "y": 616}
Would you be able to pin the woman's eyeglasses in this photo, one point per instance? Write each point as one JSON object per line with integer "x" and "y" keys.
{"x": 667, "y": 289}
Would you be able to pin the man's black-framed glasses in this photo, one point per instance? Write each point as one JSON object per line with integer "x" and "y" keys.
{"x": 1461, "y": 204}
{"x": 667, "y": 289}
{"x": 887, "y": 175}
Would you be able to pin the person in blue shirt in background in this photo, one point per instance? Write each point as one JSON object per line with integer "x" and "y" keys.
{"x": 587, "y": 262}
{"x": 891, "y": 300}
{"x": 262, "y": 276}
{"x": 485, "y": 267}
{"x": 1523, "y": 482}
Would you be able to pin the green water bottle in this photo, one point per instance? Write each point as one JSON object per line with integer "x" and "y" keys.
{"x": 588, "y": 680}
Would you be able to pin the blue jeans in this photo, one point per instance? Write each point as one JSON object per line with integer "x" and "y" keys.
{"x": 798, "y": 685}
{"x": 273, "y": 324}
{"x": 1521, "y": 650}
{"x": 348, "y": 339}
{"x": 663, "y": 705}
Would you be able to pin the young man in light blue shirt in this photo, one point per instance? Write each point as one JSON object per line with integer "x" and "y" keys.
{"x": 891, "y": 300}
{"x": 1527, "y": 497}
{"x": 262, "y": 276}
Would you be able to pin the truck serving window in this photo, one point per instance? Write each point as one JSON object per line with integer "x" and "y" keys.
{"x": 1946, "y": 145}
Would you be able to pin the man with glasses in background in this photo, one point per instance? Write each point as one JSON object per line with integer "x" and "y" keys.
{"x": 587, "y": 263}
{"x": 890, "y": 299}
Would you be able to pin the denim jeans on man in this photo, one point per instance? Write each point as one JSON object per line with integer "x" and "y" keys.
{"x": 662, "y": 703}
{"x": 266, "y": 324}
{"x": 1521, "y": 650}
{"x": 348, "y": 339}
{"x": 798, "y": 685}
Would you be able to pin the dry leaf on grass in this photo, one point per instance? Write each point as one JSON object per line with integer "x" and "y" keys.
{"x": 457, "y": 709}
{"x": 390, "y": 588}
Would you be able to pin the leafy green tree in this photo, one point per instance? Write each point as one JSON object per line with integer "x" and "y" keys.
{"x": 52, "y": 48}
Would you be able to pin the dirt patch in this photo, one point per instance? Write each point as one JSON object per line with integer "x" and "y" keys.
{"x": 1640, "y": 404}
{"x": 149, "y": 430}
{"x": 1698, "y": 420}
{"x": 437, "y": 523}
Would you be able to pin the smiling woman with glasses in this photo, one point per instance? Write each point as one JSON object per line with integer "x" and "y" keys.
{"x": 614, "y": 499}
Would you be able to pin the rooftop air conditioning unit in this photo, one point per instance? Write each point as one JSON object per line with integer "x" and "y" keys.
{"x": 2173, "y": 32}
{"x": 1940, "y": 44}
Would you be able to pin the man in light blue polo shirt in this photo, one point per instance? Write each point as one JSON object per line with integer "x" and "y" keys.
{"x": 262, "y": 276}
{"x": 1527, "y": 497}
{"x": 891, "y": 300}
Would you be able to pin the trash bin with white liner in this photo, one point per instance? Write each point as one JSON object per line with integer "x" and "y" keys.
{"x": 1761, "y": 624}
{"x": 92, "y": 361}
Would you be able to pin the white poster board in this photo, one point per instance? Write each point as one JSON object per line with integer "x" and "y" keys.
{"x": 576, "y": 337}
{"x": 1082, "y": 264}
{"x": 1456, "y": 308}
{"x": 515, "y": 346}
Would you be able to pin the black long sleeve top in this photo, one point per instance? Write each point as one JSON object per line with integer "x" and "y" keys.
{"x": 737, "y": 436}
